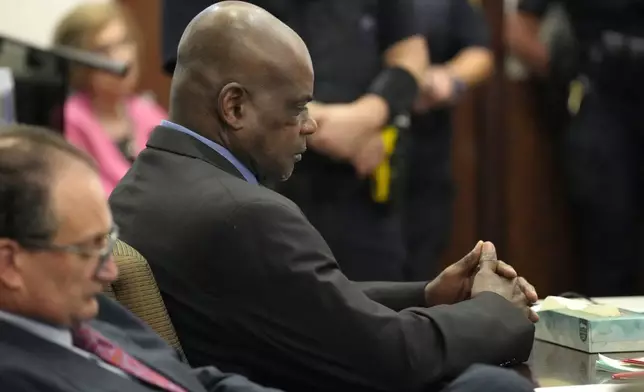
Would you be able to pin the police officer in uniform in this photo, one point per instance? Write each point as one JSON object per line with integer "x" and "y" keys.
{"x": 458, "y": 38}
{"x": 369, "y": 58}
{"x": 603, "y": 147}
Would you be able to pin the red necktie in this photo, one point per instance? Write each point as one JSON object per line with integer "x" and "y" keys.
{"x": 92, "y": 341}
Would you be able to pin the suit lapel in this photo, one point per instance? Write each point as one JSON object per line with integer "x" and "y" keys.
{"x": 86, "y": 375}
{"x": 170, "y": 140}
{"x": 61, "y": 365}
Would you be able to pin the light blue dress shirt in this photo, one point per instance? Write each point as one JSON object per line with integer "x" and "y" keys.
{"x": 248, "y": 175}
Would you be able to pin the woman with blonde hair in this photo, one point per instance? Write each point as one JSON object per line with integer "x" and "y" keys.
{"x": 103, "y": 116}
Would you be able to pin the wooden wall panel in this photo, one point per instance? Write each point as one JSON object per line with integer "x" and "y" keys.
{"x": 147, "y": 14}
{"x": 508, "y": 177}
{"x": 464, "y": 233}
{"x": 539, "y": 241}
{"x": 491, "y": 135}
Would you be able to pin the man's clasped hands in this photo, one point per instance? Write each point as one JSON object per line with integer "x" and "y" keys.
{"x": 480, "y": 271}
{"x": 348, "y": 132}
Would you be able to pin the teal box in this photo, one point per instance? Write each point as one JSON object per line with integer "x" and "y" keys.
{"x": 590, "y": 333}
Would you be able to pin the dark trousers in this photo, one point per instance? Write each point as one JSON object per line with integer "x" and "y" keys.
{"x": 483, "y": 378}
{"x": 604, "y": 155}
{"x": 366, "y": 239}
{"x": 428, "y": 199}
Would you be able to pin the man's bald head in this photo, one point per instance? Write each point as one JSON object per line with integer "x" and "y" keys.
{"x": 239, "y": 29}
{"x": 234, "y": 41}
{"x": 242, "y": 76}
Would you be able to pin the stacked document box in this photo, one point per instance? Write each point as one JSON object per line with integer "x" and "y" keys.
{"x": 592, "y": 333}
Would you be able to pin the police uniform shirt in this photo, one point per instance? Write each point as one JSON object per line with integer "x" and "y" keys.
{"x": 347, "y": 39}
{"x": 449, "y": 27}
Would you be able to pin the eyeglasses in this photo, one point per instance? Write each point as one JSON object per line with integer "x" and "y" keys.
{"x": 103, "y": 251}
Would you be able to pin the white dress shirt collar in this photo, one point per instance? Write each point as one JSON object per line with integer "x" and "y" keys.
{"x": 54, "y": 334}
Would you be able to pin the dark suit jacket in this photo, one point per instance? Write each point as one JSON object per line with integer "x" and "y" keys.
{"x": 29, "y": 363}
{"x": 253, "y": 288}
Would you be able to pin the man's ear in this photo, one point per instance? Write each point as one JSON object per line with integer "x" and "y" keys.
{"x": 232, "y": 105}
{"x": 9, "y": 270}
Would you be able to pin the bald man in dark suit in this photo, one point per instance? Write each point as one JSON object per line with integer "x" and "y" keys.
{"x": 251, "y": 286}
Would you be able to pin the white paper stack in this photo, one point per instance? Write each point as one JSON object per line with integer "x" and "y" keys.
{"x": 615, "y": 365}
{"x": 7, "y": 98}
{"x": 584, "y": 388}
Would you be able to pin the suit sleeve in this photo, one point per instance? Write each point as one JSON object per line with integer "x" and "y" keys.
{"x": 306, "y": 305}
{"x": 19, "y": 381}
{"x": 215, "y": 381}
{"x": 395, "y": 295}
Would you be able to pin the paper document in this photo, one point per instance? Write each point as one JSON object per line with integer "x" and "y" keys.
{"x": 584, "y": 388}
{"x": 557, "y": 303}
{"x": 7, "y": 99}
{"x": 615, "y": 365}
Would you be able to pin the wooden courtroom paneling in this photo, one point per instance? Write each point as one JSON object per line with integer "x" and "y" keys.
{"x": 538, "y": 237}
{"x": 507, "y": 178}
{"x": 534, "y": 214}
{"x": 147, "y": 14}
{"x": 464, "y": 233}
{"x": 490, "y": 137}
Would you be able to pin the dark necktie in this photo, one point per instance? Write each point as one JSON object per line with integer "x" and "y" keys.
{"x": 92, "y": 341}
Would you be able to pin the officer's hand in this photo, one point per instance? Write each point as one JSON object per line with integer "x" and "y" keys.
{"x": 343, "y": 129}
{"x": 338, "y": 134}
{"x": 517, "y": 290}
{"x": 369, "y": 156}
{"x": 437, "y": 90}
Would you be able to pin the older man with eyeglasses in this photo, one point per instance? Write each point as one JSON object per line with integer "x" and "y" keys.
{"x": 56, "y": 240}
